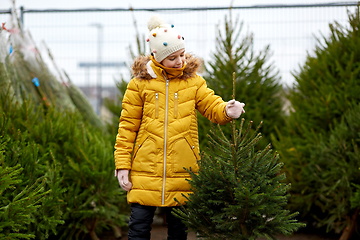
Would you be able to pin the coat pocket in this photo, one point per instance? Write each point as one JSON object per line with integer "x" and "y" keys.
{"x": 184, "y": 154}
{"x": 144, "y": 156}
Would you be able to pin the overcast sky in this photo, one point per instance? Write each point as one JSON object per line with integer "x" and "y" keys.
{"x": 295, "y": 38}
{"x": 65, "y": 4}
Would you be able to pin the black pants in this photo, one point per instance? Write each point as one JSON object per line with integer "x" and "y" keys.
{"x": 141, "y": 219}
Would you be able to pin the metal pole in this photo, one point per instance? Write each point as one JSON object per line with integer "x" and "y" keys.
{"x": 87, "y": 81}
{"x": 100, "y": 33}
{"x": 99, "y": 48}
{"x": 22, "y": 16}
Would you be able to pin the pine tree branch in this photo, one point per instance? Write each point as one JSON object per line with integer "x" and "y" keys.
{"x": 224, "y": 138}
{"x": 239, "y": 140}
{"x": 218, "y": 146}
{"x": 246, "y": 132}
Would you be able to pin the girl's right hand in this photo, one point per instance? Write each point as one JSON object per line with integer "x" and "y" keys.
{"x": 123, "y": 177}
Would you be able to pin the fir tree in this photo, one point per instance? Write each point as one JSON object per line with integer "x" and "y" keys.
{"x": 16, "y": 209}
{"x": 52, "y": 132}
{"x": 257, "y": 81}
{"x": 336, "y": 174}
{"x": 77, "y": 161}
{"x": 238, "y": 192}
{"x": 319, "y": 144}
{"x": 114, "y": 106}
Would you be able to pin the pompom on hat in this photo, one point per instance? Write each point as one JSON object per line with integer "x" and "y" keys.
{"x": 163, "y": 38}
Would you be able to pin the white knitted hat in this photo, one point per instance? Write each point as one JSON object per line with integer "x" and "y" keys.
{"x": 164, "y": 39}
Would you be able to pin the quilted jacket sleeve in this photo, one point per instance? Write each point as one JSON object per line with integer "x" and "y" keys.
{"x": 210, "y": 105}
{"x": 129, "y": 124}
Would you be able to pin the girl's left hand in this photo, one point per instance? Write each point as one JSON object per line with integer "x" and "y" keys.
{"x": 234, "y": 108}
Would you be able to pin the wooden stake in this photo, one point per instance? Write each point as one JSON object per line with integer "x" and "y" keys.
{"x": 233, "y": 96}
{"x": 233, "y": 127}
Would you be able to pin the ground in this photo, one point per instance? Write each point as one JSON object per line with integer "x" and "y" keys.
{"x": 159, "y": 232}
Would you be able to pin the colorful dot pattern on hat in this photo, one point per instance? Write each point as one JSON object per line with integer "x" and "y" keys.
{"x": 163, "y": 39}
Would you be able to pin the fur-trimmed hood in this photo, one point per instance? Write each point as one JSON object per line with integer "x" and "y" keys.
{"x": 142, "y": 70}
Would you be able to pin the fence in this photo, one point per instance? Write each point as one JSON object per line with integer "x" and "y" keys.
{"x": 80, "y": 38}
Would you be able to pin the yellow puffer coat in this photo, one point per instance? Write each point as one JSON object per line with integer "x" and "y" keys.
{"x": 159, "y": 115}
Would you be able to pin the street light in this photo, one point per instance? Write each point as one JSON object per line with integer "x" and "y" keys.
{"x": 99, "y": 49}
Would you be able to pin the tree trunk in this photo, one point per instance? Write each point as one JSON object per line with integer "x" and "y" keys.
{"x": 117, "y": 232}
{"x": 91, "y": 228}
{"x": 93, "y": 235}
{"x": 350, "y": 228}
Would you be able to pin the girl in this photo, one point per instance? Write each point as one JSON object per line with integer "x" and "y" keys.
{"x": 159, "y": 116}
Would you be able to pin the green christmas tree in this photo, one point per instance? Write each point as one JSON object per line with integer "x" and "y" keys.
{"x": 238, "y": 192}
{"x": 50, "y": 130}
{"x": 319, "y": 144}
{"x": 114, "y": 105}
{"x": 257, "y": 81}
{"x": 72, "y": 158}
{"x": 336, "y": 175}
{"x": 16, "y": 209}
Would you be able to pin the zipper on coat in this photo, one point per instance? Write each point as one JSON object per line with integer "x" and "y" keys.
{"x": 175, "y": 105}
{"x": 156, "y": 105}
{"x": 165, "y": 140}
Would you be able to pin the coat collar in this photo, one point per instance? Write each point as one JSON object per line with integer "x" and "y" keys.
{"x": 144, "y": 69}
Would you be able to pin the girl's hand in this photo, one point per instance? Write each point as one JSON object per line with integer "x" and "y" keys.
{"x": 234, "y": 108}
{"x": 123, "y": 177}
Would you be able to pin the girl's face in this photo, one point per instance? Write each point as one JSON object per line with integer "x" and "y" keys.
{"x": 174, "y": 60}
